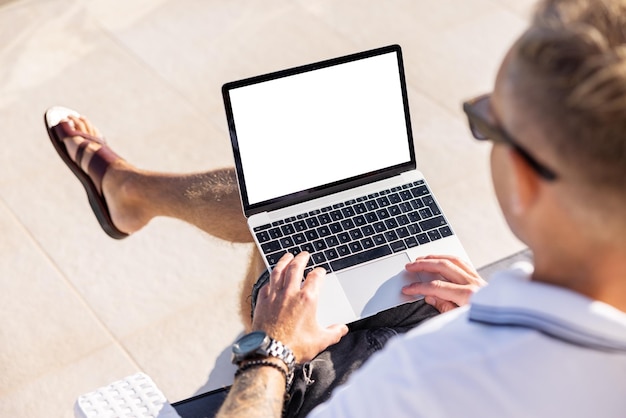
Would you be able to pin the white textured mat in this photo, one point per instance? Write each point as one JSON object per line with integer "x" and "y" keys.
{"x": 135, "y": 396}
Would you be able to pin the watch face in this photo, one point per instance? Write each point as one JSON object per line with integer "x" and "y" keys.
{"x": 249, "y": 342}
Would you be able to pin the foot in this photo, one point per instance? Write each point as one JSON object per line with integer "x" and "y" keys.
{"x": 119, "y": 186}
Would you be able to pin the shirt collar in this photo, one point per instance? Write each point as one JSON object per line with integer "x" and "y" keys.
{"x": 512, "y": 299}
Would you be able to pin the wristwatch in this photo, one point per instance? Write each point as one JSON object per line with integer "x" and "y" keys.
{"x": 258, "y": 345}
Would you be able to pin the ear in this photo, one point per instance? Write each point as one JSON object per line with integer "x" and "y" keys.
{"x": 524, "y": 183}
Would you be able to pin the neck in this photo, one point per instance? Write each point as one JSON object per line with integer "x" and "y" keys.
{"x": 598, "y": 273}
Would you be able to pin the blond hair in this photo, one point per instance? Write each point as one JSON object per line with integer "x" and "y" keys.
{"x": 573, "y": 57}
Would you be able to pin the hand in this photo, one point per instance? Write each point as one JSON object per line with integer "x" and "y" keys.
{"x": 286, "y": 309}
{"x": 459, "y": 284}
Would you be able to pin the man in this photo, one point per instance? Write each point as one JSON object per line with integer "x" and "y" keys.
{"x": 551, "y": 342}
{"x": 548, "y": 342}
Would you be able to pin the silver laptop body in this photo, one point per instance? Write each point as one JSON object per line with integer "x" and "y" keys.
{"x": 325, "y": 163}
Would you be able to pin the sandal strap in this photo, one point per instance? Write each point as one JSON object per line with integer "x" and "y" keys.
{"x": 80, "y": 152}
{"x": 99, "y": 163}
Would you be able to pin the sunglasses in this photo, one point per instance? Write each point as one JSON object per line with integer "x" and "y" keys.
{"x": 480, "y": 119}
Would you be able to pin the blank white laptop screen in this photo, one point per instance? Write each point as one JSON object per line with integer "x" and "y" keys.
{"x": 315, "y": 128}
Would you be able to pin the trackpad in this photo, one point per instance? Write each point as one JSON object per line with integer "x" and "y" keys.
{"x": 378, "y": 286}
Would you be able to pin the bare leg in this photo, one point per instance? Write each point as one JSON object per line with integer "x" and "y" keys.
{"x": 208, "y": 200}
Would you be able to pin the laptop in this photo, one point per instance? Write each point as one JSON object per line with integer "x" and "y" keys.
{"x": 325, "y": 163}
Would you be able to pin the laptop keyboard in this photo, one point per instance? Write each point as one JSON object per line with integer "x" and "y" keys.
{"x": 358, "y": 230}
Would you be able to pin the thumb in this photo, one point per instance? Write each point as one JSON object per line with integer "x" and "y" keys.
{"x": 440, "y": 304}
{"x": 336, "y": 332}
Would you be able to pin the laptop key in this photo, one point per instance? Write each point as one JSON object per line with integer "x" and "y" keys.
{"x": 434, "y": 235}
{"x": 318, "y": 258}
{"x": 263, "y": 236}
{"x": 286, "y": 242}
{"x": 359, "y": 220}
{"x": 368, "y": 230}
{"x": 332, "y": 241}
{"x": 356, "y": 234}
{"x": 311, "y": 235}
{"x": 308, "y": 247}
{"x": 275, "y": 233}
{"x": 371, "y": 217}
{"x": 323, "y": 231}
{"x": 422, "y": 239}
{"x": 299, "y": 239}
{"x": 397, "y": 246}
{"x": 379, "y": 227}
{"x": 411, "y": 242}
{"x": 391, "y": 236}
{"x": 348, "y": 212}
{"x": 406, "y": 195}
{"x": 382, "y": 213}
{"x": 343, "y": 250}
{"x": 262, "y": 227}
{"x": 391, "y": 223}
{"x": 417, "y": 203}
{"x": 394, "y": 210}
{"x": 420, "y": 191}
{"x": 355, "y": 247}
{"x": 402, "y": 232}
{"x": 270, "y": 247}
{"x": 425, "y": 213}
{"x": 394, "y": 198}
{"x": 344, "y": 237}
{"x": 347, "y": 224}
{"x": 432, "y": 223}
{"x": 331, "y": 254}
{"x": 312, "y": 222}
{"x": 324, "y": 219}
{"x": 371, "y": 205}
{"x": 379, "y": 239}
{"x": 335, "y": 227}
{"x": 272, "y": 259}
{"x": 336, "y": 215}
{"x": 367, "y": 243}
{"x": 414, "y": 229}
{"x": 287, "y": 229}
{"x": 359, "y": 258}
{"x": 414, "y": 217}
{"x": 319, "y": 245}
{"x": 299, "y": 226}
{"x": 383, "y": 201}
{"x": 360, "y": 208}
{"x": 445, "y": 231}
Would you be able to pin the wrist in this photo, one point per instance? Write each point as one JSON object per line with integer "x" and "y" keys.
{"x": 257, "y": 349}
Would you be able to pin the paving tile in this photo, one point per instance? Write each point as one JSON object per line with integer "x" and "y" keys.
{"x": 475, "y": 216}
{"x": 523, "y": 8}
{"x": 197, "y": 47}
{"x": 189, "y": 352}
{"x": 54, "y": 394}
{"x": 47, "y": 326}
{"x": 452, "y": 49}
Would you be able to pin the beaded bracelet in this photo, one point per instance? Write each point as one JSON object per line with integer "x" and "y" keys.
{"x": 260, "y": 363}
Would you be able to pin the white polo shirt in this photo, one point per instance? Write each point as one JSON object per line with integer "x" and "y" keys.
{"x": 521, "y": 349}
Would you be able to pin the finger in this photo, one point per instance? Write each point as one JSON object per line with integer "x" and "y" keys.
{"x": 276, "y": 277}
{"x": 446, "y": 268}
{"x": 314, "y": 280}
{"x": 441, "y": 289}
{"x": 462, "y": 264}
{"x": 295, "y": 271}
{"x": 439, "y": 304}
